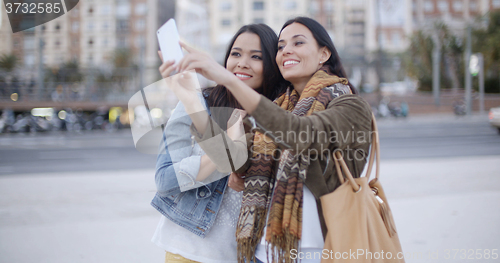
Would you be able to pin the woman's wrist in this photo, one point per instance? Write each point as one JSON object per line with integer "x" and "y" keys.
{"x": 187, "y": 98}
{"x": 230, "y": 81}
{"x": 193, "y": 106}
{"x": 246, "y": 96}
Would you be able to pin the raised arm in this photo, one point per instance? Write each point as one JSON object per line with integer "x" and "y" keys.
{"x": 190, "y": 169}
{"x": 345, "y": 122}
{"x": 340, "y": 122}
{"x": 209, "y": 68}
{"x": 180, "y": 164}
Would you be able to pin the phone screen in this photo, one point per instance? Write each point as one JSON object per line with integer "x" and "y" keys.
{"x": 168, "y": 39}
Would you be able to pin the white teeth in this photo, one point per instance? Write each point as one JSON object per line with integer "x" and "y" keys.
{"x": 288, "y": 62}
{"x": 242, "y": 76}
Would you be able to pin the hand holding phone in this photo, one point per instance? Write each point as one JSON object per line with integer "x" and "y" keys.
{"x": 168, "y": 39}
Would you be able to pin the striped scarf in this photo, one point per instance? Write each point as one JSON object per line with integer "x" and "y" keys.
{"x": 284, "y": 225}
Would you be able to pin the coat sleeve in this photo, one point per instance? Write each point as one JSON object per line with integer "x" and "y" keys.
{"x": 345, "y": 122}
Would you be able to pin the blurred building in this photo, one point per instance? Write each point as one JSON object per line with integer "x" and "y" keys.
{"x": 54, "y": 42}
{"x": 103, "y": 26}
{"x": 192, "y": 18}
{"x": 359, "y": 28}
{"x": 5, "y": 32}
{"x": 225, "y": 17}
{"x": 22, "y": 45}
{"x": 456, "y": 14}
{"x": 89, "y": 34}
{"x": 389, "y": 25}
{"x": 93, "y": 30}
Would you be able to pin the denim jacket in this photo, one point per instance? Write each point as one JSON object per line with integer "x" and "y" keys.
{"x": 189, "y": 203}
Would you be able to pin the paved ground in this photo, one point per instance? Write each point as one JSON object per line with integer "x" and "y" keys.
{"x": 449, "y": 201}
{"x": 78, "y": 217}
{"x": 438, "y": 204}
{"x": 445, "y": 204}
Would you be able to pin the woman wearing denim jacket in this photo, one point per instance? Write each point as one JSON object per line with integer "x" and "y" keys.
{"x": 199, "y": 212}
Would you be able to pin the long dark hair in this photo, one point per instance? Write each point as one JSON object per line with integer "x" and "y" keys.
{"x": 324, "y": 40}
{"x": 273, "y": 84}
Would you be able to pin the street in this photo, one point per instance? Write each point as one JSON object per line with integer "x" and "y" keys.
{"x": 439, "y": 137}
{"x": 85, "y": 197}
{"x": 63, "y": 152}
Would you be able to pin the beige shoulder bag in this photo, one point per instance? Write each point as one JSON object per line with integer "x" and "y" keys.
{"x": 358, "y": 218}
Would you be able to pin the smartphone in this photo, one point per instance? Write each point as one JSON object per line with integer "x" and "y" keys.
{"x": 168, "y": 38}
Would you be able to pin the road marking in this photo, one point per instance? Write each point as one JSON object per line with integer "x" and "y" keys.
{"x": 6, "y": 169}
{"x": 55, "y": 155}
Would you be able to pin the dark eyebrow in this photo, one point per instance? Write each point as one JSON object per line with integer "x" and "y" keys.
{"x": 252, "y": 51}
{"x": 300, "y": 35}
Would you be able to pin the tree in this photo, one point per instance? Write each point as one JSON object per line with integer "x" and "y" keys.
{"x": 8, "y": 62}
{"x": 418, "y": 58}
{"x": 486, "y": 40}
{"x": 124, "y": 68}
{"x": 452, "y": 57}
{"x": 68, "y": 72}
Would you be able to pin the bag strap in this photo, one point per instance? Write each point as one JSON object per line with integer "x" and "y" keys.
{"x": 337, "y": 167}
{"x": 339, "y": 159}
{"x": 374, "y": 156}
{"x": 375, "y": 151}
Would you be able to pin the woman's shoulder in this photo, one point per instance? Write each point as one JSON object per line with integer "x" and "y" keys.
{"x": 334, "y": 91}
{"x": 352, "y": 101}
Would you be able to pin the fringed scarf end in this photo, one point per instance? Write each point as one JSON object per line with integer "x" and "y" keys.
{"x": 281, "y": 246}
{"x": 247, "y": 245}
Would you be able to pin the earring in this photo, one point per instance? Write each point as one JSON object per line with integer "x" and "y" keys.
{"x": 321, "y": 62}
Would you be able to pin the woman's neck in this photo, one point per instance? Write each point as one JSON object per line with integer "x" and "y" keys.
{"x": 299, "y": 86}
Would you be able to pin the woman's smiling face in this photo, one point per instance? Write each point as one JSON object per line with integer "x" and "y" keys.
{"x": 299, "y": 55}
{"x": 245, "y": 60}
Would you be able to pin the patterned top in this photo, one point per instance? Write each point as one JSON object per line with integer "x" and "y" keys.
{"x": 218, "y": 246}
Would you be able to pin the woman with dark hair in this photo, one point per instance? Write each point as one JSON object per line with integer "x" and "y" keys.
{"x": 199, "y": 211}
{"x": 294, "y": 143}
{"x": 273, "y": 85}
{"x": 323, "y": 39}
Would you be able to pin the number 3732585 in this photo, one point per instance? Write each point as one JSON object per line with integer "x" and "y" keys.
{"x": 471, "y": 253}
{"x": 33, "y": 8}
